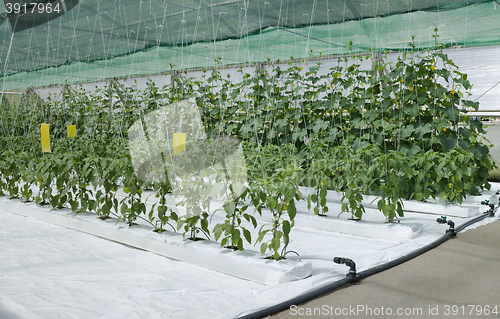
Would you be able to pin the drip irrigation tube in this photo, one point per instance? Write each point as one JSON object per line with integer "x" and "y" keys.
{"x": 366, "y": 273}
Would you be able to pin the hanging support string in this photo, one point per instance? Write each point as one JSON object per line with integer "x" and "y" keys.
{"x": 491, "y": 88}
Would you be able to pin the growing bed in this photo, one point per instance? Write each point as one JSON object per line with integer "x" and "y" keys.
{"x": 50, "y": 271}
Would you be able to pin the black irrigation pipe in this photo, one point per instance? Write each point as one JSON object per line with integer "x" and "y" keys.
{"x": 354, "y": 278}
{"x": 489, "y": 213}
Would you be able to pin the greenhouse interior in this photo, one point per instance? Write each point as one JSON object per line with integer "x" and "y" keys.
{"x": 237, "y": 158}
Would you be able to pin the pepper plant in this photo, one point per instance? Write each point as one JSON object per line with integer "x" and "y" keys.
{"x": 109, "y": 171}
{"x": 160, "y": 213}
{"x": 131, "y": 206}
{"x": 61, "y": 169}
{"x": 278, "y": 193}
{"x": 28, "y": 178}
{"x": 45, "y": 177}
{"x": 232, "y": 228}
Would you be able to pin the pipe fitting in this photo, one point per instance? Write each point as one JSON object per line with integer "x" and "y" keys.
{"x": 490, "y": 205}
{"x": 444, "y": 220}
{"x": 351, "y": 264}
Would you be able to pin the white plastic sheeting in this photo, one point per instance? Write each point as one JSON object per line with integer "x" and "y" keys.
{"x": 246, "y": 264}
{"x": 49, "y": 271}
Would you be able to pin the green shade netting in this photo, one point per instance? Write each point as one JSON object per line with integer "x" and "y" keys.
{"x": 95, "y": 40}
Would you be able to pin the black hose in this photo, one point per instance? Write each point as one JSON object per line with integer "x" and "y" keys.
{"x": 366, "y": 273}
{"x": 299, "y": 299}
{"x": 489, "y": 213}
{"x": 434, "y": 244}
{"x": 402, "y": 259}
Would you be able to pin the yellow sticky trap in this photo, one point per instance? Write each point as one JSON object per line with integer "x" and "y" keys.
{"x": 71, "y": 130}
{"x": 45, "y": 134}
{"x": 179, "y": 143}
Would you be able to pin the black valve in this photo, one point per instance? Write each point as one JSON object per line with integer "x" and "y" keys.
{"x": 443, "y": 220}
{"x": 487, "y": 202}
{"x": 351, "y": 264}
{"x": 492, "y": 206}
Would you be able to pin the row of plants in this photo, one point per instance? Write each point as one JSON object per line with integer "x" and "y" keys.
{"x": 397, "y": 130}
{"x": 86, "y": 183}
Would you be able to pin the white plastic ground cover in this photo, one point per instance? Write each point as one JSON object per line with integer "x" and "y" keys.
{"x": 48, "y": 271}
{"x": 245, "y": 264}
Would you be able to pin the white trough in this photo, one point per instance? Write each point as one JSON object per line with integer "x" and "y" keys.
{"x": 469, "y": 208}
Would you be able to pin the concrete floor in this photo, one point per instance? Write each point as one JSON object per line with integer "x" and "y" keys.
{"x": 458, "y": 279}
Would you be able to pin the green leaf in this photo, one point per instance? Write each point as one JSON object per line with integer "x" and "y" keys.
{"x": 290, "y": 192}
{"x": 464, "y": 132}
{"x": 275, "y": 244}
{"x": 464, "y": 82}
{"x": 272, "y": 203}
{"x": 263, "y": 196}
{"x": 314, "y": 198}
{"x": 229, "y": 207}
{"x": 247, "y": 235}
{"x": 451, "y": 113}
{"x": 423, "y": 129}
{"x": 292, "y": 210}
{"x": 399, "y": 208}
{"x": 480, "y": 151}
{"x": 161, "y": 211}
{"x": 448, "y": 142}
{"x": 286, "y": 227}
{"x": 345, "y": 207}
{"x": 381, "y": 204}
{"x": 124, "y": 209}
{"x": 263, "y": 248}
{"x": 359, "y": 211}
{"x": 477, "y": 125}
{"x": 142, "y": 208}
{"x": 74, "y": 205}
{"x": 204, "y": 225}
{"x": 323, "y": 201}
{"x": 323, "y": 192}
{"x": 262, "y": 233}
{"x": 320, "y": 125}
{"x": 235, "y": 235}
{"x": 218, "y": 231}
{"x": 223, "y": 242}
{"x": 251, "y": 219}
{"x": 282, "y": 188}
{"x": 464, "y": 144}
{"x": 174, "y": 216}
{"x": 239, "y": 244}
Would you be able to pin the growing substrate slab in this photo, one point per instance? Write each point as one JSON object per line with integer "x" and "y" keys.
{"x": 470, "y": 206}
